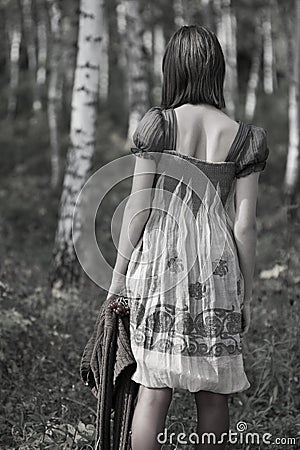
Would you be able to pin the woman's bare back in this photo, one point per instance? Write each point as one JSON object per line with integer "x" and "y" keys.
{"x": 204, "y": 132}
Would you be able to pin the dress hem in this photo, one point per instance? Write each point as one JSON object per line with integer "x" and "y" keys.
{"x": 191, "y": 391}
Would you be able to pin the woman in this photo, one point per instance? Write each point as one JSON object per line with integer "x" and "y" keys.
{"x": 189, "y": 280}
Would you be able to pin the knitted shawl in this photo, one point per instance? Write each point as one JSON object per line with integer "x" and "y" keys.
{"x": 106, "y": 367}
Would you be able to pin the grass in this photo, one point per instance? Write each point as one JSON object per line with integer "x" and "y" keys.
{"x": 44, "y": 403}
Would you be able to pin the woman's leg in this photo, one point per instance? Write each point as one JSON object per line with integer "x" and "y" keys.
{"x": 149, "y": 417}
{"x": 213, "y": 417}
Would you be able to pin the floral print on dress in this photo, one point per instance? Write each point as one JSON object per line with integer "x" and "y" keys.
{"x": 160, "y": 321}
{"x": 221, "y": 268}
{"x": 185, "y": 305}
{"x": 184, "y": 323}
{"x": 154, "y": 283}
{"x": 213, "y": 332}
{"x": 196, "y": 290}
{"x": 234, "y": 323}
{"x": 174, "y": 264}
{"x": 213, "y": 326}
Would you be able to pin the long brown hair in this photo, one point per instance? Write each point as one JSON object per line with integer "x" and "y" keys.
{"x": 193, "y": 68}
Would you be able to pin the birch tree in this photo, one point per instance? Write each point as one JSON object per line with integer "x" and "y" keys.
{"x": 82, "y": 143}
{"x": 179, "y": 13}
{"x": 226, "y": 32}
{"x": 268, "y": 52}
{"x": 104, "y": 69}
{"x": 137, "y": 65}
{"x": 251, "y": 93}
{"x": 29, "y": 28}
{"x": 292, "y": 165}
{"x": 41, "y": 50}
{"x": 121, "y": 27}
{"x": 53, "y": 88}
{"x": 13, "y": 21}
{"x": 158, "y": 48}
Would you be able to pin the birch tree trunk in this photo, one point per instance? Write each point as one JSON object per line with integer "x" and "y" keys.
{"x": 104, "y": 69}
{"x": 226, "y": 32}
{"x": 158, "y": 50}
{"x": 137, "y": 66}
{"x": 158, "y": 47}
{"x": 179, "y": 13}
{"x": 268, "y": 52}
{"x": 54, "y": 89}
{"x": 250, "y": 103}
{"x": 122, "y": 28}
{"x": 41, "y": 49}
{"x": 29, "y": 27}
{"x": 14, "y": 36}
{"x": 148, "y": 48}
{"x": 66, "y": 271}
{"x": 232, "y": 57}
{"x": 292, "y": 165}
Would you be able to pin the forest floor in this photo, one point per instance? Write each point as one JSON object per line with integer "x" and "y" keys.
{"x": 44, "y": 404}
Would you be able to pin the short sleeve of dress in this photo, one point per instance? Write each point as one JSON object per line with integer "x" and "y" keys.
{"x": 149, "y": 135}
{"x": 253, "y": 157}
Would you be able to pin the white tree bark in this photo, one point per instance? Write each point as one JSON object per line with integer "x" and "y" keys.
{"x": 104, "y": 69}
{"x": 226, "y": 32}
{"x": 82, "y": 141}
{"x": 121, "y": 25}
{"x": 29, "y": 27}
{"x": 179, "y": 13}
{"x": 268, "y": 52}
{"x": 54, "y": 85}
{"x": 232, "y": 57}
{"x": 292, "y": 165}
{"x": 14, "y": 34}
{"x": 41, "y": 49}
{"x": 137, "y": 66}
{"x": 251, "y": 94}
{"x": 158, "y": 48}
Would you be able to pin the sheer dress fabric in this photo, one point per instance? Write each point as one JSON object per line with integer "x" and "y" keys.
{"x": 183, "y": 281}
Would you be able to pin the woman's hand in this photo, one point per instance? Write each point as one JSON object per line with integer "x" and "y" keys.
{"x": 117, "y": 294}
{"x": 119, "y": 305}
{"x": 246, "y": 318}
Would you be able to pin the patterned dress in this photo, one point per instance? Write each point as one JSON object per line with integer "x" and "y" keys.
{"x": 184, "y": 282}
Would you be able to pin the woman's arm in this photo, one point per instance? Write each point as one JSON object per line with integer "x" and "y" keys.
{"x": 135, "y": 216}
{"x": 245, "y": 231}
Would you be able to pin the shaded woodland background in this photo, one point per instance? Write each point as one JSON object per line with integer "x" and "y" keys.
{"x": 105, "y": 59}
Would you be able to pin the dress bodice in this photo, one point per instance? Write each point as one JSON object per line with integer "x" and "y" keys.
{"x": 155, "y": 138}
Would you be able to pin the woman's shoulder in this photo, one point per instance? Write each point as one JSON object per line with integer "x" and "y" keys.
{"x": 254, "y": 153}
{"x": 150, "y": 131}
